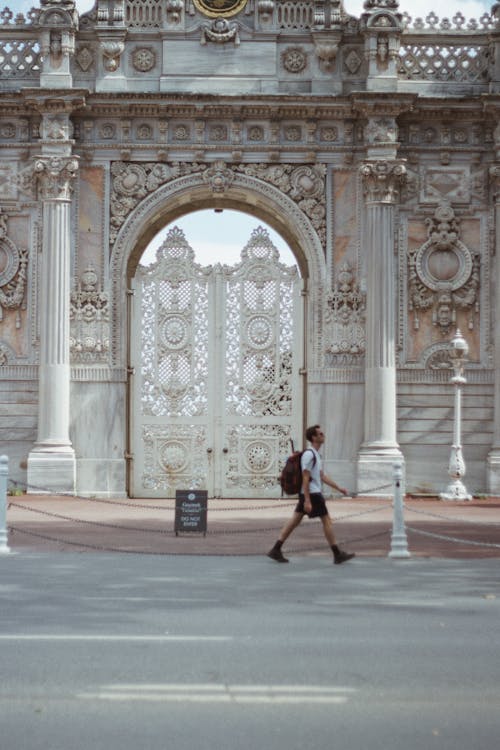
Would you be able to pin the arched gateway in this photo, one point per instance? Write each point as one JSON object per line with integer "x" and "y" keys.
{"x": 370, "y": 144}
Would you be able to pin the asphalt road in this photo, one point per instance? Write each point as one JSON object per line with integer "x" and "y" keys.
{"x": 114, "y": 652}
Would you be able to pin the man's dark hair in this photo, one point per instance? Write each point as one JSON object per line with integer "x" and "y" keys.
{"x": 311, "y": 432}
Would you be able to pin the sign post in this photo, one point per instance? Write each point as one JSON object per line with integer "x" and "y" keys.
{"x": 191, "y": 511}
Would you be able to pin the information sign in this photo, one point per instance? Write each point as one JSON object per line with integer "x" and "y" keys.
{"x": 191, "y": 511}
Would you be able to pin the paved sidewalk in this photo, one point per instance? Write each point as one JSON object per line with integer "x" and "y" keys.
{"x": 249, "y": 527}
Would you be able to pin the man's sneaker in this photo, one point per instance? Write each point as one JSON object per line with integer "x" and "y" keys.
{"x": 277, "y": 554}
{"x": 343, "y": 557}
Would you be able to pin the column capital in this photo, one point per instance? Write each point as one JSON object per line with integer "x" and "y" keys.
{"x": 382, "y": 180}
{"x": 55, "y": 175}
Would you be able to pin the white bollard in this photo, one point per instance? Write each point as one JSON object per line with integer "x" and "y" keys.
{"x": 399, "y": 543}
{"x": 4, "y": 537}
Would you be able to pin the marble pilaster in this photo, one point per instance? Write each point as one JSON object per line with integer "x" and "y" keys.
{"x": 379, "y": 451}
{"x": 493, "y": 461}
{"x": 51, "y": 462}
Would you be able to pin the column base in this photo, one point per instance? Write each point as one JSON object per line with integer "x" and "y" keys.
{"x": 493, "y": 472}
{"x": 51, "y": 472}
{"x": 375, "y": 470}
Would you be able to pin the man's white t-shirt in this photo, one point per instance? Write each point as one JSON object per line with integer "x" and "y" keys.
{"x": 308, "y": 463}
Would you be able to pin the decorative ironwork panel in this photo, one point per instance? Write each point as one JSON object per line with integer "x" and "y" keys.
{"x": 174, "y": 350}
{"x": 259, "y": 334}
{"x": 217, "y": 353}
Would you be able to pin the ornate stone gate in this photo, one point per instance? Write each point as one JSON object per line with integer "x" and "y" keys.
{"x": 371, "y": 144}
{"x": 217, "y": 355}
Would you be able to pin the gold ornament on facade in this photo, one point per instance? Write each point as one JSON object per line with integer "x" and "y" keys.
{"x": 215, "y": 8}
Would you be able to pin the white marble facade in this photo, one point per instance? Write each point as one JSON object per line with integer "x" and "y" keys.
{"x": 369, "y": 143}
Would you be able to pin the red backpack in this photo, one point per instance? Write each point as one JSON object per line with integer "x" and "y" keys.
{"x": 291, "y": 475}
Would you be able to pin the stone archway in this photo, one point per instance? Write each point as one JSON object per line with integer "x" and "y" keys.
{"x": 243, "y": 192}
{"x": 182, "y": 196}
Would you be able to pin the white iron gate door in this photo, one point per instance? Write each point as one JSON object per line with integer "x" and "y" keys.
{"x": 216, "y": 354}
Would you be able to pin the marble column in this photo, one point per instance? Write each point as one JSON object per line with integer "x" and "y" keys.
{"x": 51, "y": 462}
{"x": 493, "y": 464}
{"x": 380, "y": 450}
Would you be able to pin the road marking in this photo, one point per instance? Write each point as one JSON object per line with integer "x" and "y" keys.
{"x": 217, "y": 693}
{"x": 112, "y": 637}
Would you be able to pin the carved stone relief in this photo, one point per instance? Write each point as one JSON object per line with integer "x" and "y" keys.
{"x": 443, "y": 275}
{"x": 143, "y": 59}
{"x": 89, "y": 315}
{"x": 345, "y": 320}
{"x": 13, "y": 265}
{"x": 294, "y": 59}
{"x": 220, "y": 31}
{"x": 133, "y": 182}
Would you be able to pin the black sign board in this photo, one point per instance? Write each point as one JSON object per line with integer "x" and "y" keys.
{"x": 191, "y": 511}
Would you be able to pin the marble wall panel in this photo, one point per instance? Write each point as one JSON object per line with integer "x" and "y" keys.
{"x": 18, "y": 425}
{"x": 225, "y": 60}
{"x": 338, "y": 407}
{"x": 98, "y": 434}
{"x": 345, "y": 216}
{"x": 425, "y": 434}
{"x": 90, "y": 219}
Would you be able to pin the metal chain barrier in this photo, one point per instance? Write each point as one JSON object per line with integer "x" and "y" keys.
{"x": 444, "y": 537}
{"x": 167, "y": 532}
{"x": 450, "y": 518}
{"x": 271, "y": 505}
{"x": 453, "y": 538}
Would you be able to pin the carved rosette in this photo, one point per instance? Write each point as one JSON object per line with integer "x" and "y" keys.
{"x": 55, "y": 175}
{"x": 383, "y": 180}
{"x": 443, "y": 274}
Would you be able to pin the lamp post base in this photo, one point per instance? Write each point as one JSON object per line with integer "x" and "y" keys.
{"x": 456, "y": 490}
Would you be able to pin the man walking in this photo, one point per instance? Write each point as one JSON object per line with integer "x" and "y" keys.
{"x": 311, "y": 501}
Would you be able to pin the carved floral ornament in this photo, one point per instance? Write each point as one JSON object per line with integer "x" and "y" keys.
{"x": 89, "y": 315}
{"x": 294, "y": 59}
{"x": 220, "y": 31}
{"x": 133, "y": 182}
{"x": 443, "y": 274}
{"x": 13, "y": 265}
{"x": 345, "y": 319}
{"x": 143, "y": 59}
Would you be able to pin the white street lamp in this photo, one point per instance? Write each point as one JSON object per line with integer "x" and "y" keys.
{"x": 456, "y": 490}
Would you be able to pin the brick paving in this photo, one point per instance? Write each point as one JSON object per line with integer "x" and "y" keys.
{"x": 249, "y": 527}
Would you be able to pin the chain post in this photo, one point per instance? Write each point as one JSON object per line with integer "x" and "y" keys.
{"x": 399, "y": 543}
{"x": 4, "y": 470}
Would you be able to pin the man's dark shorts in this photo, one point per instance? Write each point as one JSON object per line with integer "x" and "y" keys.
{"x": 319, "y": 508}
